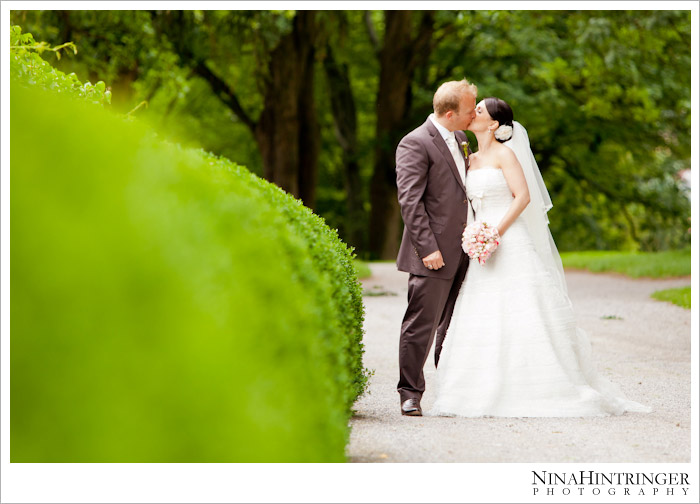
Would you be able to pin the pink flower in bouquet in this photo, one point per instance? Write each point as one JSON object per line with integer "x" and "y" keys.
{"x": 479, "y": 241}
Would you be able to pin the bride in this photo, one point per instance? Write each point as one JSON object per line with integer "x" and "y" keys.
{"x": 512, "y": 348}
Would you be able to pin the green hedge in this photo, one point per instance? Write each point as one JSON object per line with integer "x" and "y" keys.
{"x": 28, "y": 68}
{"x": 166, "y": 305}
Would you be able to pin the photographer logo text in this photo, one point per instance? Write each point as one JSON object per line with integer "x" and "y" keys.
{"x": 613, "y": 483}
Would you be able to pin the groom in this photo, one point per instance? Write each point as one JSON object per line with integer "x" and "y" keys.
{"x": 430, "y": 176}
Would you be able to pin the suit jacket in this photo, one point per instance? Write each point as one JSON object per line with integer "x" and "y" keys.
{"x": 433, "y": 201}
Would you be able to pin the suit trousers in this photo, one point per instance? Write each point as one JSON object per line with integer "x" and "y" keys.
{"x": 431, "y": 302}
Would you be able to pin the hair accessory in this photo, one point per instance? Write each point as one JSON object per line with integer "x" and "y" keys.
{"x": 504, "y": 132}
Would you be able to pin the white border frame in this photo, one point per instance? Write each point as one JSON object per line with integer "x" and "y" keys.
{"x": 495, "y": 482}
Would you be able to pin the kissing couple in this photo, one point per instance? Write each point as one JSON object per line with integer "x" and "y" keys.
{"x": 506, "y": 339}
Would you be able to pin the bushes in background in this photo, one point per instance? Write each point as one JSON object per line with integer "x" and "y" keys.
{"x": 167, "y": 305}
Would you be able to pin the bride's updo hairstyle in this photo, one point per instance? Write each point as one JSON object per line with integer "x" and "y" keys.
{"x": 500, "y": 111}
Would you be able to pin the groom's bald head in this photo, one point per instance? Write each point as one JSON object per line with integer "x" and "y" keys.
{"x": 450, "y": 94}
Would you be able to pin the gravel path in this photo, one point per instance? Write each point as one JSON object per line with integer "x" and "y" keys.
{"x": 638, "y": 342}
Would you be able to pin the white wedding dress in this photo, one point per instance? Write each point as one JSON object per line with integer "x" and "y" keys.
{"x": 512, "y": 348}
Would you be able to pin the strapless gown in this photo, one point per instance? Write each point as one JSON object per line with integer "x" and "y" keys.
{"x": 513, "y": 348}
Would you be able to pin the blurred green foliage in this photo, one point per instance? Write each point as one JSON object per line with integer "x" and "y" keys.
{"x": 670, "y": 263}
{"x": 168, "y": 305}
{"x": 679, "y": 296}
{"x": 605, "y": 96}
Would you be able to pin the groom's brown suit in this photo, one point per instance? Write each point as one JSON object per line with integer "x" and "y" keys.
{"x": 434, "y": 208}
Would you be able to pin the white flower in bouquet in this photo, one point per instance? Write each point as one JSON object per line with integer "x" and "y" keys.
{"x": 480, "y": 240}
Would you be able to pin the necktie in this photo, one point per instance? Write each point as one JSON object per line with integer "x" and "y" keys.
{"x": 459, "y": 159}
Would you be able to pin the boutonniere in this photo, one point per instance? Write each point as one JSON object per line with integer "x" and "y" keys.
{"x": 465, "y": 148}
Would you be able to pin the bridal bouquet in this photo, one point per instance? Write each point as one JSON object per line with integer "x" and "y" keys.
{"x": 479, "y": 241}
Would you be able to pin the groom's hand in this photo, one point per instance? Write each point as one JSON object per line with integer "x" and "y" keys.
{"x": 433, "y": 261}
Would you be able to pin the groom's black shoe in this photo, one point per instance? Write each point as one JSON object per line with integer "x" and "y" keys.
{"x": 411, "y": 407}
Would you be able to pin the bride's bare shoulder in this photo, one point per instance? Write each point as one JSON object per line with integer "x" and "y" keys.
{"x": 500, "y": 149}
{"x": 504, "y": 154}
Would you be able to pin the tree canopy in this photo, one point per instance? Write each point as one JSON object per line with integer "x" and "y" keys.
{"x": 316, "y": 101}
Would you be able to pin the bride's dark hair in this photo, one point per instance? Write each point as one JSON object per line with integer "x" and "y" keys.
{"x": 499, "y": 111}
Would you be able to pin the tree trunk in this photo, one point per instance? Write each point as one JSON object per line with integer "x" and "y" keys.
{"x": 345, "y": 121}
{"x": 309, "y": 135}
{"x": 399, "y": 56}
{"x": 287, "y": 132}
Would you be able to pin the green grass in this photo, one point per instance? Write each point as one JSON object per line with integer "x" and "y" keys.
{"x": 362, "y": 268}
{"x": 673, "y": 263}
{"x": 679, "y": 296}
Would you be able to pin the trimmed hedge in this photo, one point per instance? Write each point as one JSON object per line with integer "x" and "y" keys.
{"x": 168, "y": 305}
{"x": 30, "y": 69}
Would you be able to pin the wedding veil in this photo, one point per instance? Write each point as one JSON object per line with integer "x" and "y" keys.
{"x": 535, "y": 214}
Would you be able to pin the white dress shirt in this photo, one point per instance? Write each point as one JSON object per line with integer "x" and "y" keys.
{"x": 452, "y": 144}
